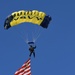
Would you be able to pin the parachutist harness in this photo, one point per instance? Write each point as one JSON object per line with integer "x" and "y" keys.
{"x": 31, "y": 48}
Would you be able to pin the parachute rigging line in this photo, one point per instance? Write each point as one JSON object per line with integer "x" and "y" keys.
{"x": 22, "y": 36}
{"x": 37, "y": 35}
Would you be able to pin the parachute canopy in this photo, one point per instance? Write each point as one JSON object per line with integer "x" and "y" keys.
{"x": 33, "y": 16}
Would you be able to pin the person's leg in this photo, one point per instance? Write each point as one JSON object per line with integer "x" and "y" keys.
{"x": 34, "y": 54}
{"x": 30, "y": 54}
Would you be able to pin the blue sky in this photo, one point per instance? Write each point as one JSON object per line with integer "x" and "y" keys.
{"x": 55, "y": 52}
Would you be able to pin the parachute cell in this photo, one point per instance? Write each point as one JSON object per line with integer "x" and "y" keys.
{"x": 34, "y": 16}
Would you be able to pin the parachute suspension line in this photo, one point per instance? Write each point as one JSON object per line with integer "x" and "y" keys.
{"x": 33, "y": 36}
{"x": 36, "y": 34}
{"x": 22, "y": 36}
{"x": 27, "y": 39}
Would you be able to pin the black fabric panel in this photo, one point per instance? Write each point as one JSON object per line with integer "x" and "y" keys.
{"x": 46, "y": 22}
{"x": 7, "y": 22}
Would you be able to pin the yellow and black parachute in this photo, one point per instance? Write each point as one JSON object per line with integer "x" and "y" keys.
{"x": 32, "y": 16}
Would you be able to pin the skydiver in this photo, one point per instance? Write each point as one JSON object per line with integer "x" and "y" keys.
{"x": 31, "y": 49}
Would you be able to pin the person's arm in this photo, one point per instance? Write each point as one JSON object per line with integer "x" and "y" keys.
{"x": 34, "y": 47}
{"x": 29, "y": 48}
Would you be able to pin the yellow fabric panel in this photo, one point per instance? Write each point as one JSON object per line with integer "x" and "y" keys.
{"x": 18, "y": 17}
{"x": 14, "y": 22}
{"x": 22, "y": 16}
{"x": 34, "y": 13}
{"x": 28, "y": 13}
{"x": 41, "y": 17}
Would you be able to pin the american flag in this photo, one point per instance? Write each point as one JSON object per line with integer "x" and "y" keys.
{"x": 25, "y": 69}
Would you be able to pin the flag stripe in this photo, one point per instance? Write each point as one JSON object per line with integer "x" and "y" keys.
{"x": 28, "y": 62}
{"x": 22, "y": 70}
{"x": 25, "y": 69}
{"x": 27, "y": 72}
